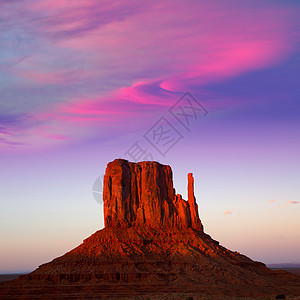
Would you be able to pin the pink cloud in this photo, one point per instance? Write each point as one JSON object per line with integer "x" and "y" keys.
{"x": 57, "y": 137}
{"x": 123, "y": 103}
{"x": 190, "y": 45}
{"x": 224, "y": 42}
{"x": 293, "y": 202}
{"x": 133, "y": 58}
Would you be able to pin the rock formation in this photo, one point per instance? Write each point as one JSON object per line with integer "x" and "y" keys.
{"x": 153, "y": 244}
{"x": 143, "y": 194}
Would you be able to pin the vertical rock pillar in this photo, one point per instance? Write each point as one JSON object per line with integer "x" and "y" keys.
{"x": 195, "y": 220}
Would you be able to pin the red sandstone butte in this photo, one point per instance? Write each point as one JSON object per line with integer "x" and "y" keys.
{"x": 153, "y": 245}
{"x": 142, "y": 193}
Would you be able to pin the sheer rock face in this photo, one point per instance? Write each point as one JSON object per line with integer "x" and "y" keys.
{"x": 143, "y": 194}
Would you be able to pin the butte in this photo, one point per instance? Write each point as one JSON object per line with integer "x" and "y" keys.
{"x": 153, "y": 245}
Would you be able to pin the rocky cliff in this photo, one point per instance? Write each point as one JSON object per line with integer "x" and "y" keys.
{"x": 142, "y": 193}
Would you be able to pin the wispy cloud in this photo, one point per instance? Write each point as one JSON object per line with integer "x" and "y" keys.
{"x": 287, "y": 204}
{"x": 227, "y": 212}
{"x": 84, "y": 60}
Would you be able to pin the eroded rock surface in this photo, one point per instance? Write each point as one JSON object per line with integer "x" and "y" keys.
{"x": 143, "y": 194}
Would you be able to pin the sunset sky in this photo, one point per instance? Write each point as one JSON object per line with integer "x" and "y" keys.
{"x": 84, "y": 82}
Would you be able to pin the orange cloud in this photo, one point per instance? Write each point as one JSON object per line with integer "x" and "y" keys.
{"x": 227, "y": 212}
{"x": 293, "y": 202}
